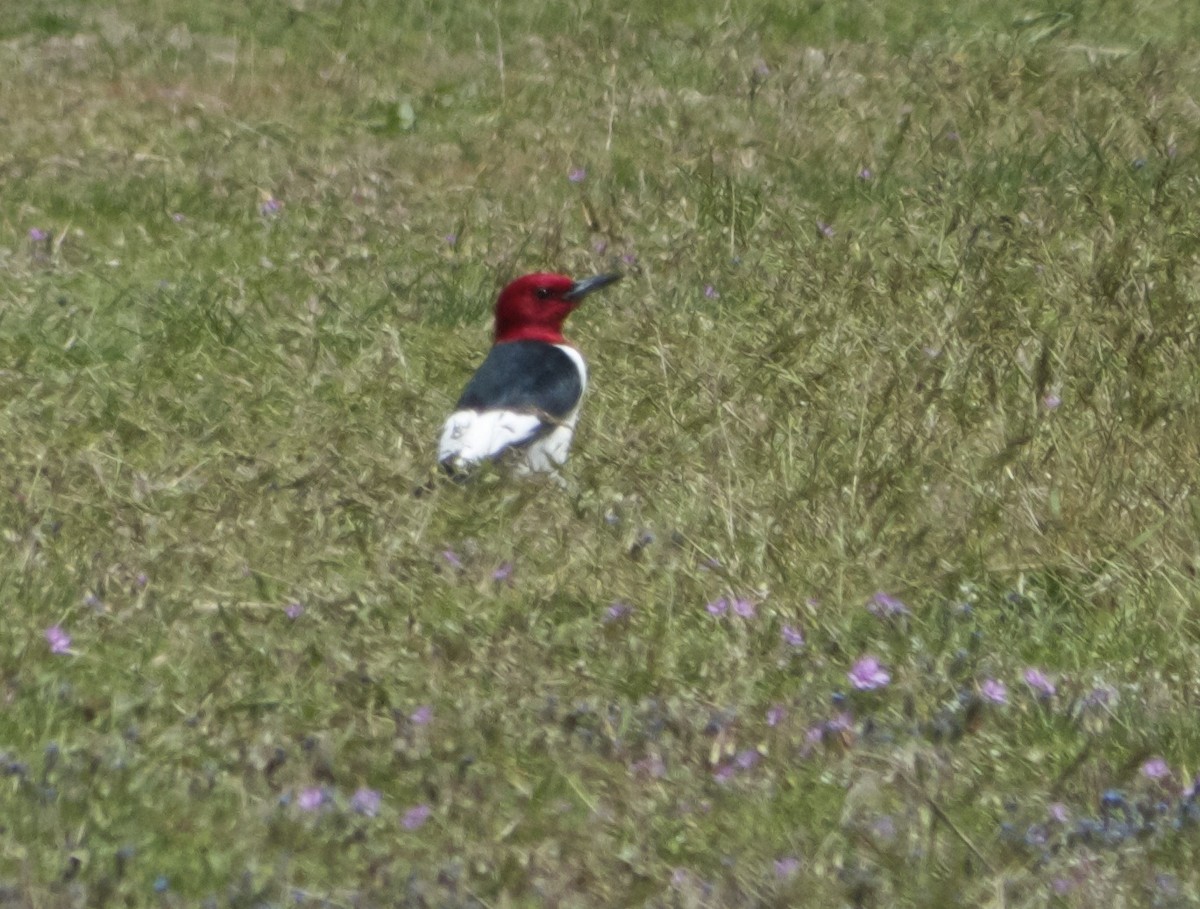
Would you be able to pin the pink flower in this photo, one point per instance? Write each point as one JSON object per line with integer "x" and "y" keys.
{"x": 59, "y": 640}
{"x": 415, "y": 817}
{"x": 868, "y": 674}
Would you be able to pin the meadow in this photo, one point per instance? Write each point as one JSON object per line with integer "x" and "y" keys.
{"x": 872, "y": 580}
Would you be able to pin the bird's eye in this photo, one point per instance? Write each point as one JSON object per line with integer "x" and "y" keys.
{"x": 542, "y": 293}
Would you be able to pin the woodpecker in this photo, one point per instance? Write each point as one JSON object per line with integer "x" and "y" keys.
{"x": 524, "y": 398}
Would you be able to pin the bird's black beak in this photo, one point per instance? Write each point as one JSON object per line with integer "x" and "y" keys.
{"x": 581, "y": 289}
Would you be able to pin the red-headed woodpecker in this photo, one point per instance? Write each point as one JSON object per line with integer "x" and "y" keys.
{"x": 524, "y": 398}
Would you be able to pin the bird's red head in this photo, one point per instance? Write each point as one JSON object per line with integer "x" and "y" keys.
{"x": 534, "y": 307}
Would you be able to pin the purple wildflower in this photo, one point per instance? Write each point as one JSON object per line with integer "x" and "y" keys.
{"x": 792, "y": 636}
{"x": 775, "y": 715}
{"x": 1040, "y": 683}
{"x": 293, "y": 610}
{"x": 711, "y": 292}
{"x": 744, "y": 609}
{"x": 451, "y": 239}
{"x": 452, "y": 559}
{"x": 59, "y": 640}
{"x": 724, "y": 773}
{"x": 616, "y": 612}
{"x": 1058, "y": 812}
{"x": 310, "y": 799}
{"x": 415, "y": 817}
{"x": 37, "y": 235}
{"x": 1156, "y": 769}
{"x": 839, "y": 723}
{"x": 1051, "y": 401}
{"x": 868, "y": 674}
{"x": 650, "y": 767}
{"x": 577, "y": 175}
{"x": 629, "y": 259}
{"x": 747, "y": 759}
{"x": 366, "y": 801}
{"x": 786, "y": 867}
{"x": 600, "y": 247}
{"x": 761, "y": 70}
{"x": 825, "y": 230}
{"x": 865, "y": 174}
{"x": 178, "y": 217}
{"x": 1062, "y": 886}
{"x": 884, "y": 827}
{"x": 886, "y": 606}
{"x": 718, "y": 607}
{"x": 503, "y": 572}
{"x": 422, "y": 716}
{"x": 1100, "y": 696}
{"x": 952, "y": 136}
{"x": 994, "y": 690}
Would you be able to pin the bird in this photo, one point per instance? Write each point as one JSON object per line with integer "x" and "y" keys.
{"x": 522, "y": 402}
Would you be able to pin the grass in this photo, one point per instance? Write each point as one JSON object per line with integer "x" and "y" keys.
{"x": 910, "y": 308}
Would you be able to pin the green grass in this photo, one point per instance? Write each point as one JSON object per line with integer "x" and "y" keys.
{"x": 948, "y": 353}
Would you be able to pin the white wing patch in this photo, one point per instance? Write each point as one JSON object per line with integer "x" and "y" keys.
{"x": 471, "y": 437}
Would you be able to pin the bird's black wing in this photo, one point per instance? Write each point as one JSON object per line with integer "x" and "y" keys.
{"x": 530, "y": 376}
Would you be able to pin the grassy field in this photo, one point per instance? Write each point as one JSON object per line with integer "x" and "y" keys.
{"x": 873, "y": 582}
